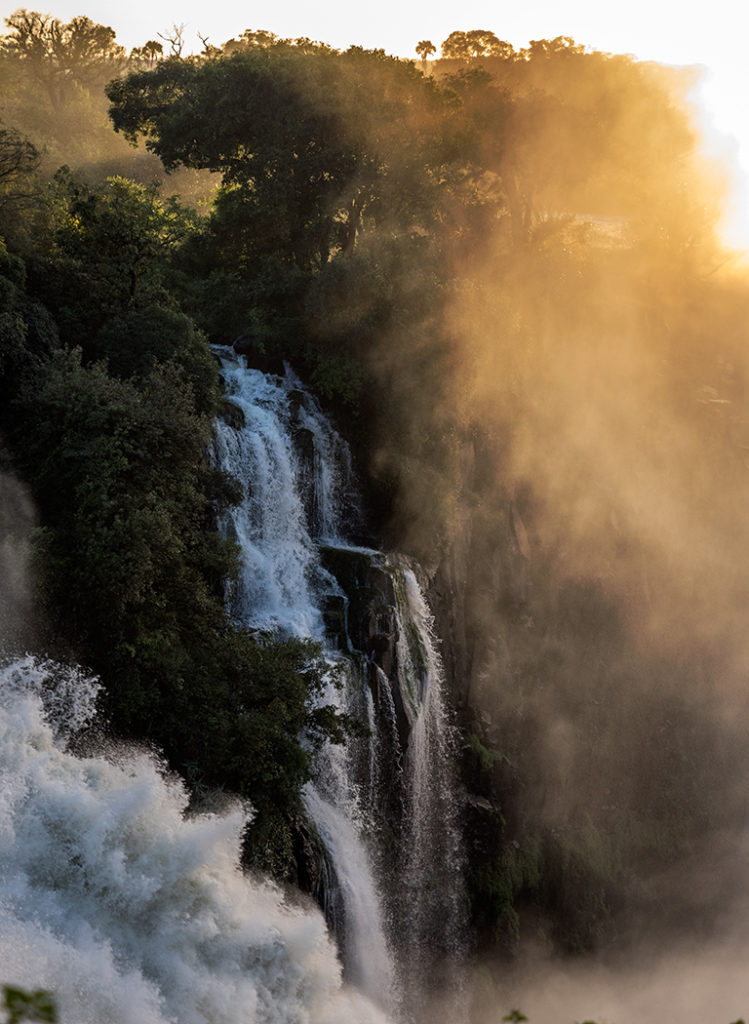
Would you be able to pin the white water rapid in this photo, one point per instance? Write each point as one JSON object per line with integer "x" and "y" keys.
{"x": 126, "y": 909}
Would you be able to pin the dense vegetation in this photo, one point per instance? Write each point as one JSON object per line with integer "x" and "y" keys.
{"x": 501, "y": 277}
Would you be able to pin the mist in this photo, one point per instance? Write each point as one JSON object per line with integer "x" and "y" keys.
{"x": 590, "y": 487}
{"x": 693, "y": 985}
{"x": 17, "y": 607}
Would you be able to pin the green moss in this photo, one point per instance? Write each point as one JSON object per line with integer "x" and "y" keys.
{"x": 483, "y": 758}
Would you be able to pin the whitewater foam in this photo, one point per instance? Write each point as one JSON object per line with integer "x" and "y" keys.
{"x": 125, "y": 908}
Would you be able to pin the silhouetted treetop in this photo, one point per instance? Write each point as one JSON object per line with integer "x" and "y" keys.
{"x": 476, "y": 43}
{"x": 61, "y": 55}
{"x": 19, "y": 158}
{"x": 424, "y": 49}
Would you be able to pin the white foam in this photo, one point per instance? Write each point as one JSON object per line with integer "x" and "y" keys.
{"x": 128, "y": 911}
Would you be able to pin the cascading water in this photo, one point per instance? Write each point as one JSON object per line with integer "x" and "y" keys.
{"x": 386, "y": 807}
{"x": 123, "y": 907}
{"x": 434, "y": 923}
{"x": 282, "y": 586}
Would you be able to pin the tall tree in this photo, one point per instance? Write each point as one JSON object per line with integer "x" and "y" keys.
{"x": 148, "y": 54}
{"x": 62, "y": 56}
{"x": 478, "y": 42}
{"x": 424, "y": 49}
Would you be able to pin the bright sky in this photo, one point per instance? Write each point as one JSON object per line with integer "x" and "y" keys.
{"x": 708, "y": 32}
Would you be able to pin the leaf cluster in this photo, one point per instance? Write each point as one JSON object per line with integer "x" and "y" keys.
{"x": 22, "y": 1005}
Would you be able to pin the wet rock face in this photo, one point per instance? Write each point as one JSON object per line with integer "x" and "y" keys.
{"x": 254, "y": 351}
{"x": 304, "y": 445}
{"x": 368, "y": 611}
{"x": 364, "y": 621}
{"x": 480, "y": 594}
{"x": 310, "y": 865}
{"x": 231, "y": 414}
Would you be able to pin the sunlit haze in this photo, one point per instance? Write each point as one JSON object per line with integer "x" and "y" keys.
{"x": 670, "y": 32}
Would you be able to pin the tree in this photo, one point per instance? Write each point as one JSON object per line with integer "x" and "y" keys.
{"x": 455, "y": 46}
{"x": 309, "y": 145}
{"x": 62, "y": 56}
{"x": 175, "y": 38}
{"x": 147, "y": 54}
{"x": 19, "y": 158}
{"x": 474, "y": 44}
{"x": 482, "y": 43}
{"x": 117, "y": 237}
{"x": 251, "y": 38}
{"x": 424, "y": 49}
{"x": 546, "y": 48}
{"x": 245, "y": 118}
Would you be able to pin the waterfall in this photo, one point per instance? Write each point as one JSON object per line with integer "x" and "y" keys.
{"x": 296, "y": 475}
{"x": 433, "y": 914}
{"x": 385, "y": 807}
{"x": 125, "y": 908}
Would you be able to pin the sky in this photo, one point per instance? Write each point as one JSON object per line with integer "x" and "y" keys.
{"x": 669, "y": 31}
{"x": 665, "y": 30}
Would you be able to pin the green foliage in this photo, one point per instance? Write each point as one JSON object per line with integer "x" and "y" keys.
{"x": 336, "y": 378}
{"x": 21, "y": 1005}
{"x": 271, "y": 139}
{"x": 500, "y": 885}
{"x": 27, "y": 333}
{"x": 116, "y": 467}
{"x": 316, "y": 149}
{"x": 113, "y": 243}
{"x": 19, "y": 158}
{"x": 484, "y": 757}
{"x": 134, "y": 344}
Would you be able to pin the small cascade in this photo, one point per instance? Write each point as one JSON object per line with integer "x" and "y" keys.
{"x": 407, "y": 768}
{"x": 432, "y": 920}
{"x": 335, "y": 805}
{"x": 279, "y": 568}
{"x": 385, "y": 806}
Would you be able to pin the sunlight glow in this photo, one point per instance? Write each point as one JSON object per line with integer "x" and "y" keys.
{"x": 723, "y": 124}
